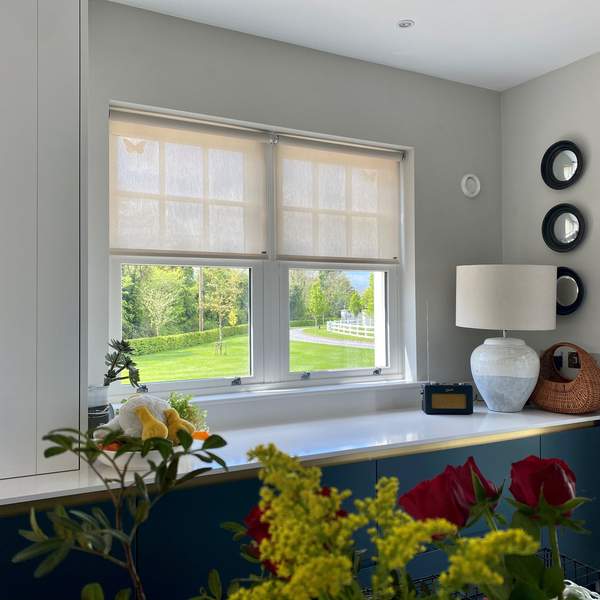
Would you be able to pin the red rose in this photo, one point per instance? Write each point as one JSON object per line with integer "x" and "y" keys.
{"x": 440, "y": 497}
{"x": 258, "y": 531}
{"x": 255, "y": 528}
{"x": 532, "y": 476}
{"x": 341, "y": 513}
{"x": 464, "y": 480}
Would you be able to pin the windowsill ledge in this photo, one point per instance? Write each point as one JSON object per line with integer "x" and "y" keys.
{"x": 288, "y": 404}
{"x": 307, "y": 390}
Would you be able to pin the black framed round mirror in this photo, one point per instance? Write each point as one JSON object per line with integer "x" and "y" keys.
{"x": 563, "y": 228}
{"x": 569, "y": 291}
{"x": 562, "y": 165}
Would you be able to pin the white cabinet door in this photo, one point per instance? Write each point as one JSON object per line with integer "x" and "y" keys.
{"x": 18, "y": 239}
{"x": 39, "y": 230}
{"x": 58, "y": 224}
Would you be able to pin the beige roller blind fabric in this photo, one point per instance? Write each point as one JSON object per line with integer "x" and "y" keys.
{"x": 185, "y": 189}
{"x": 333, "y": 204}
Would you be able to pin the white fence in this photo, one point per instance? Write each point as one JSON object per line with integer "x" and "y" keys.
{"x": 355, "y": 327}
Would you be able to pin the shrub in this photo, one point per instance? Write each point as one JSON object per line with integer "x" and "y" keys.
{"x": 302, "y": 323}
{"x": 162, "y": 343}
{"x": 188, "y": 411}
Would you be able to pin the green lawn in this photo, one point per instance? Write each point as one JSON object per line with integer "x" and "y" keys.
{"x": 199, "y": 362}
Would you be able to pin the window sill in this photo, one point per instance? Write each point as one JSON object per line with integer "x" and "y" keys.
{"x": 287, "y": 404}
{"x": 276, "y": 404}
{"x": 289, "y": 390}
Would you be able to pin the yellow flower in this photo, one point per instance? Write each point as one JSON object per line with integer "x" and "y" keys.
{"x": 399, "y": 537}
{"x": 309, "y": 542}
{"x": 479, "y": 561}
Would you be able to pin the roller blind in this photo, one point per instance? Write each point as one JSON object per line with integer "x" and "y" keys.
{"x": 336, "y": 203}
{"x": 185, "y": 187}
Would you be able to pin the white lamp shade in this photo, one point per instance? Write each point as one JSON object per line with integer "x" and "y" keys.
{"x": 506, "y": 297}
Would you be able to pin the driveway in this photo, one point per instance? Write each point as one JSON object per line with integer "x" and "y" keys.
{"x": 298, "y": 335}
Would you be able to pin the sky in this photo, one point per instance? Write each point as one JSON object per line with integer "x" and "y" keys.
{"x": 359, "y": 280}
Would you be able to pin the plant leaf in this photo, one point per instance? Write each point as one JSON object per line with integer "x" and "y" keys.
{"x": 37, "y": 549}
{"x": 123, "y": 594}
{"x": 213, "y": 441}
{"x": 92, "y": 591}
{"x": 54, "y": 451}
{"x": 34, "y": 525}
{"x": 527, "y": 524}
{"x": 214, "y": 584}
{"x": 185, "y": 439}
{"x": 527, "y": 569}
{"x": 53, "y": 560}
{"x": 553, "y": 581}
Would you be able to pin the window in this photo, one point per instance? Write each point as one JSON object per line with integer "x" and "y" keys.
{"x": 187, "y": 322}
{"x": 239, "y": 256}
{"x": 337, "y": 320}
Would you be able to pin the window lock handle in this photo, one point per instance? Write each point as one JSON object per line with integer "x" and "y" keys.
{"x": 377, "y": 371}
{"x": 305, "y": 375}
{"x": 236, "y": 381}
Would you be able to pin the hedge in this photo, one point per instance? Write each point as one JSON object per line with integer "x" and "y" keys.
{"x": 151, "y": 345}
{"x": 302, "y": 323}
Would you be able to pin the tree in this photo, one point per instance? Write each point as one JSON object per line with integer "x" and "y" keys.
{"x": 317, "y": 302}
{"x": 355, "y": 303}
{"x": 368, "y": 299}
{"x": 158, "y": 296}
{"x": 222, "y": 290}
{"x": 337, "y": 289}
{"x": 299, "y": 285}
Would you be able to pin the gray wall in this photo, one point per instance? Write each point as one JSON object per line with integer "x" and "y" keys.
{"x": 564, "y": 104}
{"x": 151, "y": 59}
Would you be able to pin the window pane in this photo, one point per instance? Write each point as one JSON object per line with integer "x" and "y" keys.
{"x": 187, "y": 322}
{"x": 337, "y": 320}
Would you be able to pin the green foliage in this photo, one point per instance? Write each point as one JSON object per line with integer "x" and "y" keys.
{"x": 152, "y": 345}
{"x": 190, "y": 412}
{"x": 92, "y": 532}
{"x": 355, "y": 304}
{"x": 222, "y": 291}
{"x": 301, "y": 323}
{"x": 120, "y": 360}
{"x": 183, "y": 287}
{"x": 159, "y": 294}
{"x": 318, "y": 304}
{"x": 368, "y": 298}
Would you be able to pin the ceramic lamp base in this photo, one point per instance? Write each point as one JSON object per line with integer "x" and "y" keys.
{"x": 505, "y": 371}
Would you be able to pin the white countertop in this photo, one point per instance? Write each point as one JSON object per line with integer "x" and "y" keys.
{"x": 330, "y": 441}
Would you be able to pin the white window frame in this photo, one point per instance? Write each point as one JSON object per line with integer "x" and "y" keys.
{"x": 394, "y": 366}
{"x": 269, "y": 301}
{"x": 255, "y": 320}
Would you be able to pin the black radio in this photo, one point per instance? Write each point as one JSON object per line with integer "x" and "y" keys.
{"x": 447, "y": 398}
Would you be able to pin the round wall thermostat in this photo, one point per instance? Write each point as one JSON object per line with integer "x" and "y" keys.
{"x": 470, "y": 185}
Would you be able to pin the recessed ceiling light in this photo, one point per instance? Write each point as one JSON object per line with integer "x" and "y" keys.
{"x": 406, "y": 23}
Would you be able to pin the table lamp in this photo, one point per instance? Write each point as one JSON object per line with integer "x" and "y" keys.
{"x": 505, "y": 297}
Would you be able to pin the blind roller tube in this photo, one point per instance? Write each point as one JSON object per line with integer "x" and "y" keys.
{"x": 166, "y": 126}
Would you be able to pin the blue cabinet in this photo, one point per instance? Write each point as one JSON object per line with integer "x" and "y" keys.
{"x": 69, "y": 577}
{"x": 184, "y": 540}
{"x": 580, "y": 449}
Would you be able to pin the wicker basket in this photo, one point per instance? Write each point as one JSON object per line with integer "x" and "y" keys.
{"x": 557, "y": 394}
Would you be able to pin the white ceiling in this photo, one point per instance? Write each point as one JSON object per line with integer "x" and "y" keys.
{"x": 495, "y": 44}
